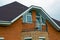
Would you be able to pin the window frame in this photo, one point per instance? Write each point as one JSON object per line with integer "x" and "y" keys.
{"x": 27, "y": 18}
{"x": 2, "y": 38}
{"x": 27, "y": 38}
{"x": 41, "y": 21}
{"x": 38, "y": 23}
{"x": 41, "y": 37}
{"x": 26, "y": 15}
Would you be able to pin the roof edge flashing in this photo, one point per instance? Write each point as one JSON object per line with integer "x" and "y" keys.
{"x": 5, "y": 23}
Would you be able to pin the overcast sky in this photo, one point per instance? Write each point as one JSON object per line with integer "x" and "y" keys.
{"x": 52, "y": 7}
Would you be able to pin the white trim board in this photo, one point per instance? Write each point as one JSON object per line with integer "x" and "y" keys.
{"x": 41, "y": 37}
{"x": 28, "y": 38}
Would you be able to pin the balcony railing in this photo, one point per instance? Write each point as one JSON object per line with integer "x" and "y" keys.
{"x": 43, "y": 29}
{"x": 35, "y": 29}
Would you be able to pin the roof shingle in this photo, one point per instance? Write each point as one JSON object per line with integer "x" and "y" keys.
{"x": 57, "y": 22}
{"x": 12, "y": 10}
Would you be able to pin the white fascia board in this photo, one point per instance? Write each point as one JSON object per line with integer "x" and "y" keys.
{"x": 5, "y": 22}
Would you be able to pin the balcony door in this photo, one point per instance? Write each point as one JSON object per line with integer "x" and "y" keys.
{"x": 38, "y": 22}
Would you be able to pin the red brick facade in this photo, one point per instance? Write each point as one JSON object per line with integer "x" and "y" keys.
{"x": 52, "y": 32}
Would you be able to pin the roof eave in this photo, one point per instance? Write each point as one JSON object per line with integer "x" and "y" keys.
{"x": 5, "y": 23}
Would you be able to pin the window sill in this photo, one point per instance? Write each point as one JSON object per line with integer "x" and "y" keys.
{"x": 43, "y": 24}
{"x": 27, "y": 22}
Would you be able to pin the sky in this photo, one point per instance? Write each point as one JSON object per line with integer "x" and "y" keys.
{"x": 52, "y": 7}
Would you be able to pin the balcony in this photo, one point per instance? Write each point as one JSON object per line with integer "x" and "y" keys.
{"x": 43, "y": 29}
{"x": 34, "y": 33}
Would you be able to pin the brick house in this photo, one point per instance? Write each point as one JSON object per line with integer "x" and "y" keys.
{"x": 18, "y": 22}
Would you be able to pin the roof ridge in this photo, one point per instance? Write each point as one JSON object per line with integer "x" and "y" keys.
{"x": 16, "y": 2}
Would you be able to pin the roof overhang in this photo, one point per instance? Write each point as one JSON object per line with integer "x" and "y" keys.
{"x": 36, "y": 7}
{"x": 5, "y": 23}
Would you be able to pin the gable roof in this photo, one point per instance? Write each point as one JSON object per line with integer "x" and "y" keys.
{"x": 11, "y": 11}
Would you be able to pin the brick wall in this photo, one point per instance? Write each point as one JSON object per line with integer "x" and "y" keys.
{"x": 53, "y": 33}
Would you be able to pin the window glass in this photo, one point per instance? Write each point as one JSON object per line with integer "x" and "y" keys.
{"x": 43, "y": 20}
{"x": 38, "y": 25}
{"x": 28, "y": 39}
{"x": 38, "y": 19}
{"x": 24, "y": 18}
{"x": 28, "y": 13}
{"x": 29, "y": 19}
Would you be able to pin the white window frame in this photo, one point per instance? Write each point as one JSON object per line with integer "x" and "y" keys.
{"x": 27, "y": 38}
{"x": 41, "y": 21}
{"x": 2, "y": 38}
{"x": 27, "y": 19}
{"x": 41, "y": 37}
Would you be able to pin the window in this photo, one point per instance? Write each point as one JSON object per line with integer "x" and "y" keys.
{"x": 27, "y": 18}
{"x": 41, "y": 38}
{"x": 43, "y": 20}
{"x": 28, "y": 38}
{"x": 38, "y": 23}
{"x": 1, "y": 38}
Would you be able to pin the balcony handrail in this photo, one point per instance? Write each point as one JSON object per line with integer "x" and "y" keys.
{"x": 35, "y": 29}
